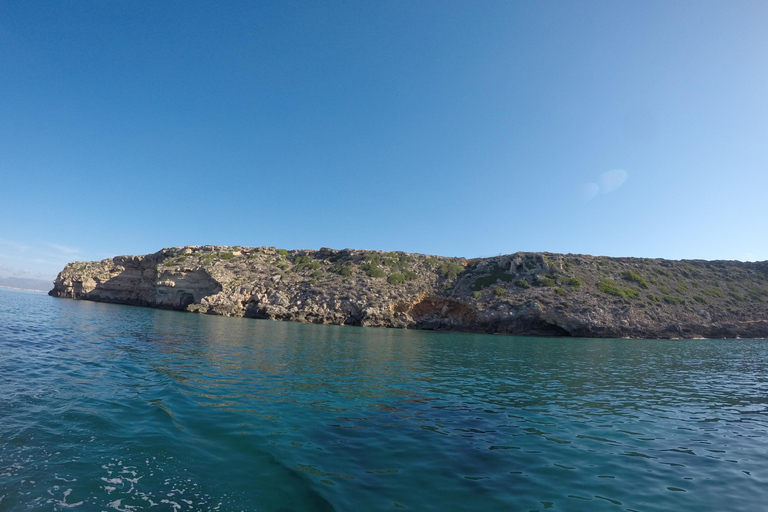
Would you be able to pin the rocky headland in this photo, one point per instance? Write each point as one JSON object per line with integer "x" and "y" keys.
{"x": 518, "y": 294}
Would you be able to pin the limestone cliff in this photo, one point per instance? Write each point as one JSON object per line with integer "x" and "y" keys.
{"x": 522, "y": 293}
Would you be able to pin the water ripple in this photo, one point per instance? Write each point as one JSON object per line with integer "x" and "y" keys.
{"x": 116, "y": 408}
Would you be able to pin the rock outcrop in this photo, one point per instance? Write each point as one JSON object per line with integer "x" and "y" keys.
{"x": 519, "y": 294}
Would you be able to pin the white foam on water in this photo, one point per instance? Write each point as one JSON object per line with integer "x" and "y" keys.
{"x": 117, "y": 504}
{"x": 64, "y": 503}
{"x": 175, "y": 505}
{"x": 122, "y": 487}
{"x": 127, "y": 488}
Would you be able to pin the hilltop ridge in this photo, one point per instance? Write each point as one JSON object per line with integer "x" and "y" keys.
{"x": 519, "y": 294}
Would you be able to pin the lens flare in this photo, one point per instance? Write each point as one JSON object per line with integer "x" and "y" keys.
{"x": 611, "y": 180}
{"x": 588, "y": 191}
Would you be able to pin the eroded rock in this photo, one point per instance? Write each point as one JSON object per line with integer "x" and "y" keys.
{"x": 520, "y": 294}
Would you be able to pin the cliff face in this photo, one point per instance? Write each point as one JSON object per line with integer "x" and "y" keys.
{"x": 522, "y": 293}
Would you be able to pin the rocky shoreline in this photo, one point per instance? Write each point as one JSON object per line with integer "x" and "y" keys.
{"x": 518, "y": 294}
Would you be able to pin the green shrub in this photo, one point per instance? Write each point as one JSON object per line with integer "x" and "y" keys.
{"x": 497, "y": 273}
{"x": 376, "y": 272}
{"x": 499, "y": 292}
{"x": 548, "y": 281}
{"x": 227, "y": 256}
{"x": 628, "y": 275}
{"x": 304, "y": 262}
{"x": 396, "y": 279}
{"x": 392, "y": 259}
{"x": 343, "y": 270}
{"x": 673, "y": 300}
{"x": 235, "y": 248}
{"x": 655, "y": 298}
{"x": 713, "y": 292}
{"x": 316, "y": 274}
{"x": 560, "y": 291}
{"x": 575, "y": 282}
{"x": 612, "y": 288}
{"x": 282, "y": 252}
{"x": 451, "y": 270}
{"x": 522, "y": 284}
{"x": 478, "y": 294}
{"x": 373, "y": 258}
{"x": 700, "y": 299}
{"x": 681, "y": 288}
{"x": 430, "y": 262}
{"x": 409, "y": 275}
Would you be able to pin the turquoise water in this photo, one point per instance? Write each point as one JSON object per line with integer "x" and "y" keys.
{"x": 107, "y": 407}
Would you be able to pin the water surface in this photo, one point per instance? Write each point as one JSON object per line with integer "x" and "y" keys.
{"x": 107, "y": 407}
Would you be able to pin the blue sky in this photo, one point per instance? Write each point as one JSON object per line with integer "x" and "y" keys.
{"x": 452, "y": 128}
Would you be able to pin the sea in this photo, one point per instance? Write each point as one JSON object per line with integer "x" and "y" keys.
{"x": 107, "y": 407}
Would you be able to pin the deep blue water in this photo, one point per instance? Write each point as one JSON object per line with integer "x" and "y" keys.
{"x": 107, "y": 407}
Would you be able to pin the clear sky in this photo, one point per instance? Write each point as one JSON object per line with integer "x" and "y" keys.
{"x": 465, "y": 128}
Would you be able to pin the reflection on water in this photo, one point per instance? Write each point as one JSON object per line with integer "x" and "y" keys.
{"x": 114, "y": 407}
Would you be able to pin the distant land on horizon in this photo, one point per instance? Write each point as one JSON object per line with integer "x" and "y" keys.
{"x": 26, "y": 283}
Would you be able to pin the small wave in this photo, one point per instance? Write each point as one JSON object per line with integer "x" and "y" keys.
{"x": 64, "y": 503}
